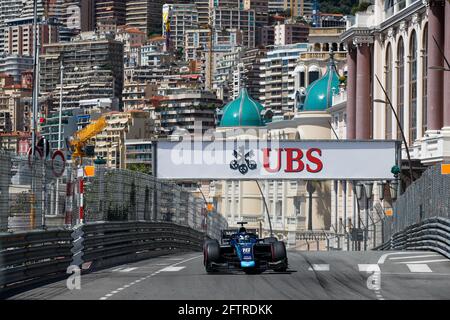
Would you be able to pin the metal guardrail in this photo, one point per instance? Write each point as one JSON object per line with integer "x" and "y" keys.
{"x": 109, "y": 243}
{"x": 34, "y": 256}
{"x": 429, "y": 234}
{"x": 27, "y": 257}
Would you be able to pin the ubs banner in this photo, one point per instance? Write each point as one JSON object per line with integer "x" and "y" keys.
{"x": 259, "y": 159}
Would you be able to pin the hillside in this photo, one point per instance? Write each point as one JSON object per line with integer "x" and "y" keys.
{"x": 337, "y": 6}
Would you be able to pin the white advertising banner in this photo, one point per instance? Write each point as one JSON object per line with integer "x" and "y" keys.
{"x": 259, "y": 159}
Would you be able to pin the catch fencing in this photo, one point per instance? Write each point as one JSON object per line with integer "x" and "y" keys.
{"x": 427, "y": 197}
{"x": 30, "y": 188}
{"x": 421, "y": 216}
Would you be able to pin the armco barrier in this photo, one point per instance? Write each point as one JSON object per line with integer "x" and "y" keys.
{"x": 430, "y": 234}
{"x": 29, "y": 257}
{"x": 118, "y": 242}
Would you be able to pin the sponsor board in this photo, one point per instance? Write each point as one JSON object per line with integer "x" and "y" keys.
{"x": 308, "y": 160}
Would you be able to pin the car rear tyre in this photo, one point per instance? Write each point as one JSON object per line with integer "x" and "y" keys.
{"x": 211, "y": 253}
{"x": 270, "y": 240}
{"x": 279, "y": 255}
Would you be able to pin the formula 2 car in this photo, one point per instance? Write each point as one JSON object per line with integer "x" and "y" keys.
{"x": 244, "y": 251}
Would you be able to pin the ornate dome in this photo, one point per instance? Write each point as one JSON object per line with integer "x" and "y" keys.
{"x": 318, "y": 94}
{"x": 242, "y": 112}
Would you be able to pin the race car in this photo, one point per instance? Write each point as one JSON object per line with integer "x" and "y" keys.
{"x": 244, "y": 251}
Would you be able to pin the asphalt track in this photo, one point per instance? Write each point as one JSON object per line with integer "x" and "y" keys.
{"x": 372, "y": 275}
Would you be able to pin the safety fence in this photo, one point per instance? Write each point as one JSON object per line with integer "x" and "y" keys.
{"x": 34, "y": 256}
{"x": 427, "y": 197}
{"x": 28, "y": 189}
{"x": 430, "y": 234}
{"x": 421, "y": 215}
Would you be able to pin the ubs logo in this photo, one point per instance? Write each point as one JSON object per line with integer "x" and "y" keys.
{"x": 242, "y": 161}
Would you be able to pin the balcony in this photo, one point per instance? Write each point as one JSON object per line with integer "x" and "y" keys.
{"x": 339, "y": 98}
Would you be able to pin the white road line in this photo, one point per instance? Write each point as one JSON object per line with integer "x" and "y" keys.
{"x": 423, "y": 261}
{"x": 384, "y": 256}
{"x": 117, "y": 269}
{"x": 368, "y": 267}
{"x": 412, "y": 257}
{"x": 173, "y": 266}
{"x": 320, "y": 267}
{"x": 419, "y": 268}
{"x": 172, "y": 269}
{"x": 128, "y": 269}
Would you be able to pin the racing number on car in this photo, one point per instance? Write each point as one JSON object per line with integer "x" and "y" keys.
{"x": 245, "y": 250}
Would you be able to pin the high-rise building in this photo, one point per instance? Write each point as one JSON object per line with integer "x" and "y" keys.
{"x": 187, "y": 109}
{"x": 247, "y": 73}
{"x": 261, "y": 8}
{"x": 76, "y": 16}
{"x": 9, "y": 9}
{"x": 223, "y": 74}
{"x": 145, "y": 15}
{"x": 243, "y": 20}
{"x": 182, "y": 18}
{"x": 93, "y": 69}
{"x": 299, "y": 7}
{"x": 203, "y": 12}
{"x": 110, "y": 11}
{"x": 288, "y": 33}
{"x": 15, "y": 65}
{"x": 19, "y": 36}
{"x": 121, "y": 127}
{"x": 277, "y": 79}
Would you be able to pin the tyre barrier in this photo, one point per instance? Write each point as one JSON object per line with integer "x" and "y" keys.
{"x": 430, "y": 234}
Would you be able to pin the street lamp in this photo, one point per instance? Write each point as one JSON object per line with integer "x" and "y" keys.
{"x": 381, "y": 187}
{"x": 398, "y": 124}
{"x": 393, "y": 189}
{"x": 359, "y": 193}
{"x": 368, "y": 188}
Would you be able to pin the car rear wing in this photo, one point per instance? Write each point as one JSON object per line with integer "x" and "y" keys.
{"x": 226, "y": 235}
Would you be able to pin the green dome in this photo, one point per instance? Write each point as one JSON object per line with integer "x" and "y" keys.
{"x": 318, "y": 94}
{"x": 242, "y": 112}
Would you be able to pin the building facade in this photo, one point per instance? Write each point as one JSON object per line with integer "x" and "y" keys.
{"x": 394, "y": 44}
{"x": 277, "y": 81}
{"x": 93, "y": 69}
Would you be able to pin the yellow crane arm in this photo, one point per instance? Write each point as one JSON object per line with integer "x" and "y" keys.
{"x": 89, "y": 131}
{"x": 82, "y": 136}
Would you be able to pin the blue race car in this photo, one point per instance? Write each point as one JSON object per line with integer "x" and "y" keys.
{"x": 244, "y": 251}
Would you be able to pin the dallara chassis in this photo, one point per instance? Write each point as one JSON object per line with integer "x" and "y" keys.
{"x": 243, "y": 250}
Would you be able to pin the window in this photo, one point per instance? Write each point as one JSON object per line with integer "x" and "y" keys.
{"x": 400, "y": 84}
{"x": 424, "y": 79}
{"x": 388, "y": 84}
{"x": 413, "y": 88}
{"x": 313, "y": 76}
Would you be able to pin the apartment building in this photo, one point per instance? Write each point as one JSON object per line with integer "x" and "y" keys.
{"x": 182, "y": 17}
{"x": 93, "y": 68}
{"x": 19, "y": 36}
{"x": 277, "y": 79}
{"x": 9, "y": 9}
{"x": 144, "y": 15}
{"x": 121, "y": 127}
{"x": 289, "y": 33}
{"x": 186, "y": 110}
{"x": 230, "y": 17}
{"x": 15, "y": 65}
